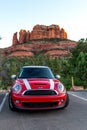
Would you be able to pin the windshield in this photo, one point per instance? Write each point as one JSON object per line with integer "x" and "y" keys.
{"x": 36, "y": 73}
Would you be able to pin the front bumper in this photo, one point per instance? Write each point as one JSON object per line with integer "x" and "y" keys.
{"x": 39, "y": 102}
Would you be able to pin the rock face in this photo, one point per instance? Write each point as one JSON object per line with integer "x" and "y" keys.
{"x": 24, "y": 36}
{"x": 52, "y": 31}
{"x": 54, "y": 49}
{"x": 39, "y": 32}
{"x": 48, "y": 40}
{"x": 15, "y": 40}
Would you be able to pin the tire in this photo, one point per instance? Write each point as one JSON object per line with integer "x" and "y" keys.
{"x": 10, "y": 102}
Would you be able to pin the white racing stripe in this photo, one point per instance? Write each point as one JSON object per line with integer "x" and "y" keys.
{"x": 51, "y": 84}
{"x": 3, "y": 101}
{"x": 29, "y": 87}
{"x": 27, "y": 84}
{"x": 84, "y": 99}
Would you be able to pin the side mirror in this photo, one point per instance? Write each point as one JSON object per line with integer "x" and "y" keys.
{"x": 58, "y": 76}
{"x": 13, "y": 76}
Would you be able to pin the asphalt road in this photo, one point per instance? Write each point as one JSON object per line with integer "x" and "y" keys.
{"x": 74, "y": 117}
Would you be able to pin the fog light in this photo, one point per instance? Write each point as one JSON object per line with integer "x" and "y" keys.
{"x": 17, "y": 101}
{"x": 62, "y": 100}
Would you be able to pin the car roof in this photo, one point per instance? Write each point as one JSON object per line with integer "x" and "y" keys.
{"x": 35, "y": 67}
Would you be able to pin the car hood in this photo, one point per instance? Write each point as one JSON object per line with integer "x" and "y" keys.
{"x": 41, "y": 83}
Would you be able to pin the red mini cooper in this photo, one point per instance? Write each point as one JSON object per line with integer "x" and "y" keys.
{"x": 36, "y": 88}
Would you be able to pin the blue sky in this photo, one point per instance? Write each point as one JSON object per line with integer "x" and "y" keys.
{"x": 25, "y": 14}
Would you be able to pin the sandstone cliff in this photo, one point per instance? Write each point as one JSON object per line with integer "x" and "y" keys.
{"x": 59, "y": 48}
{"x": 39, "y": 32}
{"x": 48, "y": 40}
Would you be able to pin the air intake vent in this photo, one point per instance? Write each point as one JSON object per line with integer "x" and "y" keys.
{"x": 40, "y": 92}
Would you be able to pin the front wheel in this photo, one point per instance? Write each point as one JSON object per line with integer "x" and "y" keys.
{"x": 11, "y": 104}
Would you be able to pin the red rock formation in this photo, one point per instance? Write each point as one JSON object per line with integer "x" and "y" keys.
{"x": 58, "y": 53}
{"x": 22, "y": 36}
{"x": 54, "y": 49}
{"x": 28, "y": 36}
{"x": 52, "y": 31}
{"x": 21, "y": 54}
{"x": 40, "y": 32}
{"x": 59, "y": 49}
{"x": 15, "y": 40}
{"x": 63, "y": 34}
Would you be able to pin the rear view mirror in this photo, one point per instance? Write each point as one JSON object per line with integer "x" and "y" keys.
{"x": 58, "y": 76}
{"x": 13, "y": 76}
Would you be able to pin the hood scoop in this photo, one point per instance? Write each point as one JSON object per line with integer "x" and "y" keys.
{"x": 39, "y": 84}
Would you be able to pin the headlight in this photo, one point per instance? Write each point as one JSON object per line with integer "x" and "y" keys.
{"x": 61, "y": 87}
{"x": 17, "y": 88}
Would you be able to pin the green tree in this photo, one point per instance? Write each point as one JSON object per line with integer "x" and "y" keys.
{"x": 78, "y": 63}
{"x": 81, "y": 68}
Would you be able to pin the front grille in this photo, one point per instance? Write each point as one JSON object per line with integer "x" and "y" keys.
{"x": 39, "y": 104}
{"x": 39, "y": 92}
